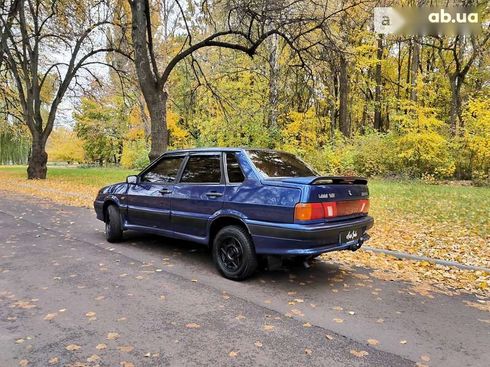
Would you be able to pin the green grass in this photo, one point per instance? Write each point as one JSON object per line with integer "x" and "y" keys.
{"x": 467, "y": 206}
{"x": 92, "y": 176}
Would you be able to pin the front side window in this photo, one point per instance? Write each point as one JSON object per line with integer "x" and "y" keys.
{"x": 235, "y": 174}
{"x": 164, "y": 171}
{"x": 279, "y": 164}
{"x": 202, "y": 169}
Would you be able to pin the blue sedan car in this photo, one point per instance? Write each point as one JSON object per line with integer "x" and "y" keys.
{"x": 247, "y": 205}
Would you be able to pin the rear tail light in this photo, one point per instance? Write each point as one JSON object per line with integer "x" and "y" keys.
{"x": 308, "y": 211}
{"x": 312, "y": 211}
{"x": 365, "y": 206}
{"x": 330, "y": 209}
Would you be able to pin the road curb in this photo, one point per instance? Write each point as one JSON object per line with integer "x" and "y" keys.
{"x": 404, "y": 255}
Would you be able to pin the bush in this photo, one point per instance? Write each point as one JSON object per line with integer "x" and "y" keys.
{"x": 135, "y": 154}
{"x": 373, "y": 154}
{"x": 424, "y": 153}
{"x": 65, "y": 146}
{"x": 332, "y": 159}
{"x": 477, "y": 139}
{"x": 413, "y": 155}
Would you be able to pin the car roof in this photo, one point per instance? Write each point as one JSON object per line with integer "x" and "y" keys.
{"x": 213, "y": 149}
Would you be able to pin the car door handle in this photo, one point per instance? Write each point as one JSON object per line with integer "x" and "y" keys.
{"x": 165, "y": 191}
{"x": 214, "y": 194}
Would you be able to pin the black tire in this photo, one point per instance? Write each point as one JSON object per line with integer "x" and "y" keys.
{"x": 234, "y": 253}
{"x": 113, "y": 225}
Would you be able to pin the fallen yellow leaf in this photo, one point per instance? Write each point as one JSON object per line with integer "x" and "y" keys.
{"x": 72, "y": 347}
{"x": 93, "y": 358}
{"x": 49, "y": 316}
{"x": 359, "y": 353}
{"x": 192, "y": 325}
{"x": 125, "y": 348}
{"x": 112, "y": 336}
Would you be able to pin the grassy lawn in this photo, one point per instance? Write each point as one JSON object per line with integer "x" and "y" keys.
{"x": 465, "y": 206}
{"x": 66, "y": 185}
{"x": 93, "y": 176}
{"x": 447, "y": 222}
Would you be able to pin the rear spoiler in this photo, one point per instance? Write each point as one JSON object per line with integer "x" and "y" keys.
{"x": 338, "y": 180}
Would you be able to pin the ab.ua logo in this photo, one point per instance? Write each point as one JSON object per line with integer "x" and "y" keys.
{"x": 426, "y": 20}
{"x": 444, "y": 17}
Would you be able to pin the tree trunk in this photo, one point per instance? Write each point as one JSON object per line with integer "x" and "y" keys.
{"x": 378, "y": 122}
{"x": 38, "y": 159}
{"x": 335, "y": 94}
{"x": 399, "y": 74}
{"x": 157, "y": 106}
{"x": 274, "y": 82}
{"x": 344, "y": 122}
{"x": 152, "y": 88}
{"x": 144, "y": 117}
{"x": 455, "y": 111}
{"x": 414, "y": 67}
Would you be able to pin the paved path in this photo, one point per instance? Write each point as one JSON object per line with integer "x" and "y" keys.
{"x": 152, "y": 301}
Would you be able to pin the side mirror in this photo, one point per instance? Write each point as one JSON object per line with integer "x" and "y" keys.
{"x": 132, "y": 179}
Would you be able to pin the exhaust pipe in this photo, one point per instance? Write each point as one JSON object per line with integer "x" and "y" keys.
{"x": 307, "y": 262}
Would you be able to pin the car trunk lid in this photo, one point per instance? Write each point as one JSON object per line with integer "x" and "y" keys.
{"x": 331, "y": 188}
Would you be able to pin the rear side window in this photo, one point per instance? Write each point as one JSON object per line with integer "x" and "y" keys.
{"x": 202, "y": 169}
{"x": 279, "y": 164}
{"x": 235, "y": 174}
{"x": 164, "y": 171}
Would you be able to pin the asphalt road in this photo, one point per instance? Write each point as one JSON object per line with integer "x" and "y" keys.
{"x": 68, "y": 298}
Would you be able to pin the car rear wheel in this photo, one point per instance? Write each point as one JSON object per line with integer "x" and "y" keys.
{"x": 113, "y": 226}
{"x": 234, "y": 253}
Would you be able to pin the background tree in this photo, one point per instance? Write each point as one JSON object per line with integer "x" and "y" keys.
{"x": 457, "y": 55}
{"x": 50, "y": 47}
{"x": 65, "y": 146}
{"x": 320, "y": 84}
{"x": 236, "y": 25}
{"x": 100, "y": 124}
{"x": 8, "y": 11}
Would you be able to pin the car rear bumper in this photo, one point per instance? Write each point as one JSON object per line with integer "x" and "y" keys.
{"x": 307, "y": 240}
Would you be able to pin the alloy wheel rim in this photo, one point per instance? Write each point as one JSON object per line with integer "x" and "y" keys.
{"x": 231, "y": 254}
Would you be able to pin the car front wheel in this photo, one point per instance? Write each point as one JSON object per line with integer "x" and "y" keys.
{"x": 234, "y": 253}
{"x": 113, "y": 225}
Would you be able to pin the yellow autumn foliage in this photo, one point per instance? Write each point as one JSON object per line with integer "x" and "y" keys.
{"x": 477, "y": 137}
{"x": 65, "y": 146}
{"x": 178, "y": 135}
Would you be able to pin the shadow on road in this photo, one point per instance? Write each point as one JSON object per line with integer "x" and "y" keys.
{"x": 196, "y": 256}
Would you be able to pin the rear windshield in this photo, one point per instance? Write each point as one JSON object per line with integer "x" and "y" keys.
{"x": 279, "y": 164}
